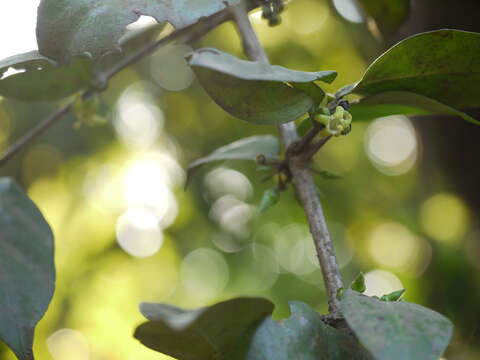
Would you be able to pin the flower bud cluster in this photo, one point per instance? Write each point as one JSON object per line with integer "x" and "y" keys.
{"x": 336, "y": 124}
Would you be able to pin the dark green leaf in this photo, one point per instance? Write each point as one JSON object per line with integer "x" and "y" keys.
{"x": 270, "y": 197}
{"x": 404, "y": 103}
{"x": 396, "y": 330}
{"x": 66, "y": 28}
{"x": 254, "y": 91}
{"x": 442, "y": 65}
{"x": 27, "y": 273}
{"x": 244, "y": 149}
{"x": 388, "y": 14}
{"x": 221, "y": 332}
{"x": 42, "y": 79}
{"x": 303, "y": 336}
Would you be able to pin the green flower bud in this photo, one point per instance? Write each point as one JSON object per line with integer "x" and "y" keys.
{"x": 340, "y": 293}
{"x": 347, "y": 118}
{"x": 270, "y": 197}
{"x": 339, "y": 111}
{"x": 359, "y": 283}
{"x": 324, "y": 110}
{"x": 323, "y": 119}
{"x": 393, "y": 296}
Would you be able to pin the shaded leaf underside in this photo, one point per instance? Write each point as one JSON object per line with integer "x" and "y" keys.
{"x": 254, "y": 91}
{"x": 27, "y": 273}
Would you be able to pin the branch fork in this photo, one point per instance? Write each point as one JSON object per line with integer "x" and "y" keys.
{"x": 299, "y": 171}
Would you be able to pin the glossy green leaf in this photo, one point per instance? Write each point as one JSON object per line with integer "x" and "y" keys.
{"x": 41, "y": 79}
{"x": 244, "y": 149}
{"x": 27, "y": 273}
{"x": 396, "y": 330}
{"x": 402, "y": 103}
{"x": 303, "y": 336}
{"x": 254, "y": 91}
{"x": 442, "y": 65}
{"x": 221, "y": 332}
{"x": 66, "y": 28}
{"x": 388, "y": 14}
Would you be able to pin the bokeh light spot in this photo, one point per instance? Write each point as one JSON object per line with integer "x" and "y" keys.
{"x": 305, "y": 17}
{"x": 204, "y": 274}
{"x": 381, "y": 282}
{"x": 392, "y": 245}
{"x": 445, "y": 217}
{"x": 138, "y": 119}
{"x": 391, "y": 145}
{"x": 68, "y": 344}
{"x": 138, "y": 232}
{"x": 169, "y": 68}
{"x": 260, "y": 269}
{"x": 146, "y": 184}
{"x": 295, "y": 249}
{"x": 223, "y": 181}
{"x": 232, "y": 215}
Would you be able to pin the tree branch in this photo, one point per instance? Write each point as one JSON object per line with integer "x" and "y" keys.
{"x": 186, "y": 35}
{"x": 302, "y": 177}
{"x": 34, "y": 133}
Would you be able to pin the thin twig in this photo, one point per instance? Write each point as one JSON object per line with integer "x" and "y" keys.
{"x": 35, "y": 132}
{"x": 189, "y": 34}
{"x": 302, "y": 177}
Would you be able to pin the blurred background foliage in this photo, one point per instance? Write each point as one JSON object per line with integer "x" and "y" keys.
{"x": 126, "y": 231}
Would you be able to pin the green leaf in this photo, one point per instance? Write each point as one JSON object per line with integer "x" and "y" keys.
{"x": 220, "y": 61}
{"x": 270, "y": 197}
{"x": 396, "y": 330}
{"x": 358, "y": 284}
{"x": 222, "y": 331}
{"x": 393, "y": 296}
{"x": 244, "y": 149}
{"x": 442, "y": 65}
{"x": 403, "y": 103}
{"x": 388, "y": 14}
{"x": 27, "y": 272}
{"x": 41, "y": 79}
{"x": 303, "y": 336}
{"x": 254, "y": 91}
{"x": 66, "y": 28}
